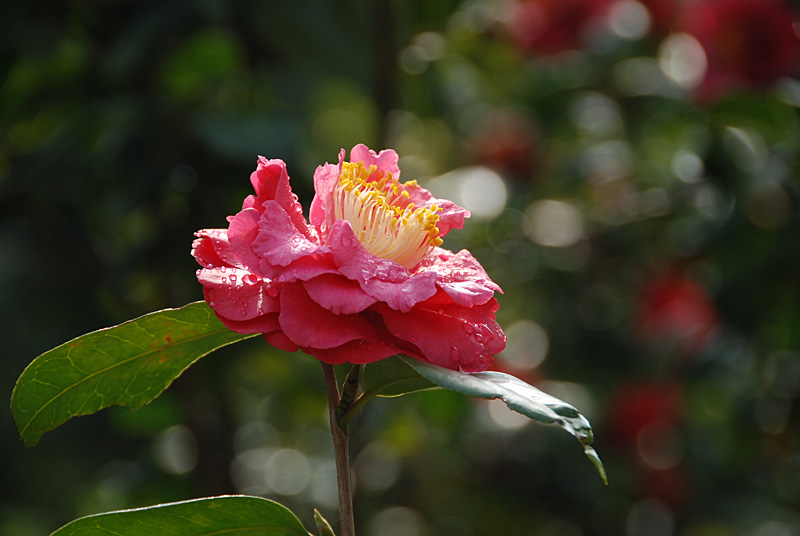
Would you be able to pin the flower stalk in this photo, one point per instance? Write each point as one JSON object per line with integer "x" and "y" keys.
{"x": 341, "y": 454}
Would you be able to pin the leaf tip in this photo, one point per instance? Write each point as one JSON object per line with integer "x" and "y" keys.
{"x": 323, "y": 526}
{"x": 597, "y": 462}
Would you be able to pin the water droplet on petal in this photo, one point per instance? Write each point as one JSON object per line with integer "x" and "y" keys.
{"x": 233, "y": 278}
{"x": 272, "y": 290}
{"x": 455, "y": 355}
{"x": 479, "y": 337}
{"x": 222, "y": 269}
{"x": 224, "y": 280}
{"x": 469, "y": 328}
{"x": 346, "y": 241}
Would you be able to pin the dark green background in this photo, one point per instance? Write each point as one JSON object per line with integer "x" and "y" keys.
{"x": 126, "y": 126}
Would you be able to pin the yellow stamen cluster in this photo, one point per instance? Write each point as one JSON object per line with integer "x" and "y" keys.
{"x": 384, "y": 220}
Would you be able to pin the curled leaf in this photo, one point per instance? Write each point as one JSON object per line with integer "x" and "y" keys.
{"x": 518, "y": 396}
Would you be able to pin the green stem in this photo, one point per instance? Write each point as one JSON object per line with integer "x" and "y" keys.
{"x": 341, "y": 455}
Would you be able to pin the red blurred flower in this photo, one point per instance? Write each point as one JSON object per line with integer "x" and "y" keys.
{"x": 676, "y": 310}
{"x": 551, "y": 26}
{"x": 644, "y": 418}
{"x": 748, "y": 43}
{"x": 364, "y": 280}
{"x": 664, "y": 13}
{"x": 504, "y": 141}
{"x": 636, "y": 406}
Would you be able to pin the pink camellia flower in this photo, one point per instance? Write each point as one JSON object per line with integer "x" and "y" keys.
{"x": 362, "y": 280}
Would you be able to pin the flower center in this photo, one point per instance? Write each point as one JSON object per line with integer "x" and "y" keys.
{"x": 386, "y": 223}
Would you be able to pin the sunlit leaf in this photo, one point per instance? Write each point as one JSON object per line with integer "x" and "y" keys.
{"x": 235, "y": 515}
{"x": 518, "y": 396}
{"x": 128, "y": 365}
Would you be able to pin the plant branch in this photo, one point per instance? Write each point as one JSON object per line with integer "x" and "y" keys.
{"x": 341, "y": 455}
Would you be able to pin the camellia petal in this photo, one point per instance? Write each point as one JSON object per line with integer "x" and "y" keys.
{"x": 338, "y": 294}
{"x": 357, "y": 352}
{"x": 278, "y": 240}
{"x": 463, "y": 278}
{"x": 212, "y": 248}
{"x": 386, "y": 160}
{"x": 450, "y": 336}
{"x": 271, "y": 182}
{"x": 238, "y": 294}
{"x": 309, "y": 325}
{"x": 242, "y": 230}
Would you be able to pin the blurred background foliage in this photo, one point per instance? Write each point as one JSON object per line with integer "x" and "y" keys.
{"x": 632, "y": 170}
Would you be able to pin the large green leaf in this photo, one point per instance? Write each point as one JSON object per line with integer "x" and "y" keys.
{"x": 235, "y": 515}
{"x": 518, "y": 396}
{"x": 127, "y": 365}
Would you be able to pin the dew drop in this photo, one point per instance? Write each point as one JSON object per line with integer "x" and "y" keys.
{"x": 479, "y": 337}
{"x": 272, "y": 290}
{"x": 233, "y": 278}
{"x": 469, "y": 328}
{"x": 222, "y": 269}
{"x": 455, "y": 355}
{"x": 346, "y": 241}
{"x": 224, "y": 280}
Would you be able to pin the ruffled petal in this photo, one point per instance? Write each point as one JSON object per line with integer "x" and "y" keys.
{"x": 384, "y": 280}
{"x": 338, "y": 294}
{"x": 238, "y": 294}
{"x": 212, "y": 248}
{"x": 242, "y": 231}
{"x": 278, "y": 241}
{"x": 308, "y": 267}
{"x": 451, "y": 216}
{"x": 385, "y": 161}
{"x": 325, "y": 178}
{"x": 261, "y": 324}
{"x": 461, "y": 276}
{"x": 450, "y": 336}
{"x": 309, "y": 325}
{"x": 271, "y": 182}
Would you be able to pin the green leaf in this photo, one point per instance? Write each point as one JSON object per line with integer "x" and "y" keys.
{"x": 518, "y": 396}
{"x": 236, "y": 515}
{"x": 323, "y": 526}
{"x": 393, "y": 377}
{"x": 128, "y": 365}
